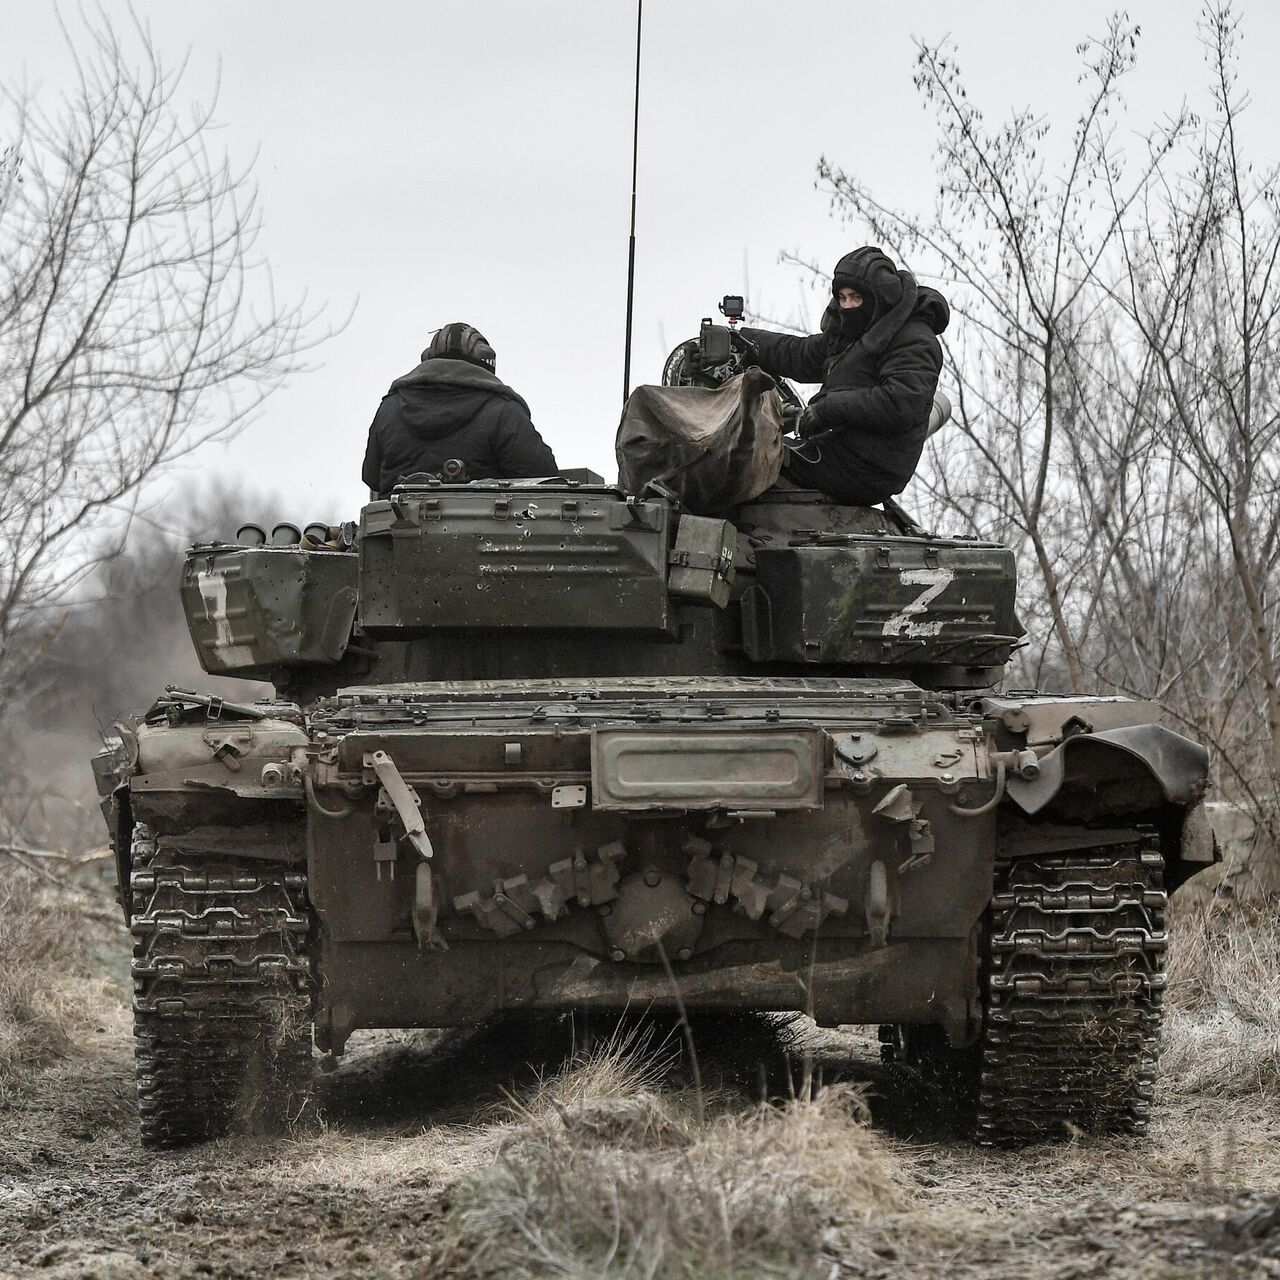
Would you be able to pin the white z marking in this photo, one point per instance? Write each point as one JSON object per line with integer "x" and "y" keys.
{"x": 935, "y": 582}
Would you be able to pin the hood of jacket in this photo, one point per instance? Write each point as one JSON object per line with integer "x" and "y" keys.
{"x": 897, "y": 299}
{"x": 442, "y": 396}
{"x": 442, "y": 372}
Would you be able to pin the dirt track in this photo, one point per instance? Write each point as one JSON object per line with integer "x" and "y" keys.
{"x": 407, "y": 1115}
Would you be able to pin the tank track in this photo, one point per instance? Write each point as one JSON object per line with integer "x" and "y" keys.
{"x": 223, "y": 997}
{"x": 1073, "y": 983}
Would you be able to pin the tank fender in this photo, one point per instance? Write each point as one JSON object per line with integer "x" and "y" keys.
{"x": 240, "y": 779}
{"x": 1178, "y": 766}
{"x": 1197, "y": 840}
{"x": 122, "y": 846}
{"x": 163, "y": 748}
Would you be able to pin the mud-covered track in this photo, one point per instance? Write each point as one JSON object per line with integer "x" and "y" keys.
{"x": 1074, "y": 980}
{"x": 222, "y": 999}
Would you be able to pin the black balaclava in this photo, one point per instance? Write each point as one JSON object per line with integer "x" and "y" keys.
{"x": 854, "y": 321}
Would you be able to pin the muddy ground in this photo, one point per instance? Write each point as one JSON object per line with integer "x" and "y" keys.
{"x": 408, "y": 1118}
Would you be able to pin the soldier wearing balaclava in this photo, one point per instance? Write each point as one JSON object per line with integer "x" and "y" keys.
{"x": 878, "y": 358}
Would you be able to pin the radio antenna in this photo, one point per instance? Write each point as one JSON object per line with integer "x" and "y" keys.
{"x": 631, "y": 248}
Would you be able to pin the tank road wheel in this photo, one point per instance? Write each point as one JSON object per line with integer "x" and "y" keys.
{"x": 1073, "y": 980}
{"x": 222, "y": 999}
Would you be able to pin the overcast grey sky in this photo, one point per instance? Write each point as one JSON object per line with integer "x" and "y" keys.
{"x": 436, "y": 161}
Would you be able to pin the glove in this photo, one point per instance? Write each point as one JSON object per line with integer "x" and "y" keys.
{"x": 807, "y": 423}
{"x": 747, "y": 350}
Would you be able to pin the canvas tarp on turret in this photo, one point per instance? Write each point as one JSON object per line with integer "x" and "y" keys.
{"x": 712, "y": 448}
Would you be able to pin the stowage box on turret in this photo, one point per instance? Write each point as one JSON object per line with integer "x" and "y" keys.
{"x": 554, "y": 746}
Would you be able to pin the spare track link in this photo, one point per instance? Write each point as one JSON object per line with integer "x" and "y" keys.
{"x": 1074, "y": 982}
{"x": 222, "y": 1001}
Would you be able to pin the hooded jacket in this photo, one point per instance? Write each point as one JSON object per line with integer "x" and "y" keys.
{"x": 453, "y": 409}
{"x": 877, "y": 390}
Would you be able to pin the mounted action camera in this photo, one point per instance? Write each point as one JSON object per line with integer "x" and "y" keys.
{"x": 732, "y": 306}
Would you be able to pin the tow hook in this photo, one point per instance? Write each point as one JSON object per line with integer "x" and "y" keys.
{"x": 426, "y": 911}
{"x": 878, "y": 910}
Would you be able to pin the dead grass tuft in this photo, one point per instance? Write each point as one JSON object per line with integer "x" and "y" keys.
{"x": 1222, "y": 1025}
{"x": 602, "y": 1171}
{"x": 47, "y": 996}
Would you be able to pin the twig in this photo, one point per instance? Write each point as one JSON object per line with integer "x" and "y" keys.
{"x": 18, "y": 855}
{"x": 15, "y": 852}
{"x": 24, "y": 851}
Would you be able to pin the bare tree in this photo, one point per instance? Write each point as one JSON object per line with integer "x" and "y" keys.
{"x": 1017, "y": 239}
{"x": 1116, "y": 340}
{"x": 125, "y": 638}
{"x": 1202, "y": 287}
{"x": 135, "y": 322}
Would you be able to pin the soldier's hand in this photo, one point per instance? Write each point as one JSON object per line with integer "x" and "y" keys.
{"x": 807, "y": 423}
{"x": 747, "y": 350}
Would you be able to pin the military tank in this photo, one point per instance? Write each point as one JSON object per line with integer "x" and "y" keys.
{"x": 538, "y": 746}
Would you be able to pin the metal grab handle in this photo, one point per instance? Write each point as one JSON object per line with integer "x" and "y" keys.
{"x": 404, "y": 801}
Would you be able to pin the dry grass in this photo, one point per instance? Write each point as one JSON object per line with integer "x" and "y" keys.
{"x": 434, "y": 1158}
{"x": 603, "y": 1172}
{"x": 1222, "y": 1027}
{"x": 609, "y": 1166}
{"x": 48, "y": 995}
{"x": 606, "y": 1171}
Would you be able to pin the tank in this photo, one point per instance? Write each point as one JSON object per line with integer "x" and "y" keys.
{"x": 543, "y": 746}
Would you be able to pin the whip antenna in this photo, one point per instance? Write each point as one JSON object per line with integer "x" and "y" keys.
{"x": 631, "y": 249}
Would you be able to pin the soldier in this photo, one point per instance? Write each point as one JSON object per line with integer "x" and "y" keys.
{"x": 878, "y": 359}
{"x": 453, "y": 405}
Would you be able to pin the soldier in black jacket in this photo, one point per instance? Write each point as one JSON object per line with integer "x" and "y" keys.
{"x": 453, "y": 405}
{"x": 878, "y": 359}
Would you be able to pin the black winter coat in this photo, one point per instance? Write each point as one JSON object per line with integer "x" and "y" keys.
{"x": 877, "y": 391}
{"x": 453, "y": 409}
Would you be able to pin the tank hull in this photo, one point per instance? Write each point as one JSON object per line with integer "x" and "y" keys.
{"x": 579, "y": 750}
{"x": 781, "y": 844}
